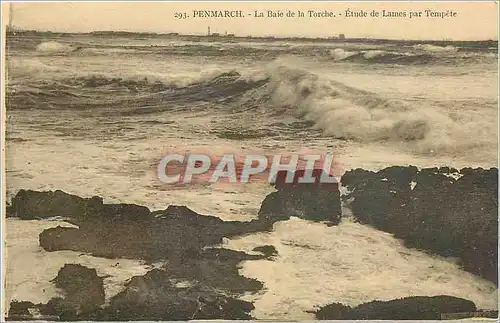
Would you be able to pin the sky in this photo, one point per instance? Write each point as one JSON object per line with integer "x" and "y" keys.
{"x": 473, "y": 20}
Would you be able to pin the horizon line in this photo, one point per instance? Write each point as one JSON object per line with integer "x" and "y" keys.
{"x": 13, "y": 29}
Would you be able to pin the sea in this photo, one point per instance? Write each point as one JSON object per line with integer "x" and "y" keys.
{"x": 94, "y": 115}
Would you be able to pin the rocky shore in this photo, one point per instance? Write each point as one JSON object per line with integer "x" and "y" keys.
{"x": 408, "y": 308}
{"x": 444, "y": 211}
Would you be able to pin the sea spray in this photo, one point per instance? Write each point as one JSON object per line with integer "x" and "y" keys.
{"x": 345, "y": 112}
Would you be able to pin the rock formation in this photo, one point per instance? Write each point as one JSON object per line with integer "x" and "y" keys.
{"x": 311, "y": 201}
{"x": 428, "y": 209}
{"x": 197, "y": 282}
{"x": 431, "y": 210}
{"x": 408, "y": 308}
{"x": 82, "y": 287}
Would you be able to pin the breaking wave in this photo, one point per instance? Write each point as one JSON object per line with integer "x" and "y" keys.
{"x": 344, "y": 112}
{"x": 435, "y": 48}
{"x": 339, "y": 54}
{"x": 56, "y": 47}
{"x": 277, "y": 90}
{"x": 382, "y": 57}
{"x": 420, "y": 54}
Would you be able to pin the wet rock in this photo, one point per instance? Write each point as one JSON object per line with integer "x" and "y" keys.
{"x": 431, "y": 210}
{"x": 197, "y": 282}
{"x": 60, "y": 238}
{"x": 83, "y": 296}
{"x": 448, "y": 170}
{"x": 216, "y": 269}
{"x": 137, "y": 233}
{"x": 334, "y": 311}
{"x": 28, "y": 204}
{"x": 28, "y": 311}
{"x": 311, "y": 201}
{"x": 203, "y": 285}
{"x": 195, "y": 286}
{"x": 176, "y": 235}
{"x": 10, "y": 212}
{"x": 155, "y": 296}
{"x": 62, "y": 309}
{"x": 408, "y": 308}
{"x": 411, "y": 308}
{"x": 127, "y": 212}
{"x": 83, "y": 288}
{"x": 273, "y": 208}
{"x": 167, "y": 234}
{"x": 20, "y": 308}
{"x": 267, "y": 250}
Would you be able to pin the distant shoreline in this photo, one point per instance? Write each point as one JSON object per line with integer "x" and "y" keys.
{"x": 473, "y": 43}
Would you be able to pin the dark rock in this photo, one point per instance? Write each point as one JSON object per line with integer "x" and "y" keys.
{"x": 319, "y": 177}
{"x": 28, "y": 204}
{"x": 432, "y": 211}
{"x": 128, "y": 212}
{"x": 411, "y": 308}
{"x": 60, "y": 238}
{"x": 400, "y": 175}
{"x": 449, "y": 170}
{"x": 137, "y": 233}
{"x": 267, "y": 250}
{"x": 10, "y": 212}
{"x": 82, "y": 287}
{"x": 197, "y": 286}
{"x": 20, "y": 308}
{"x": 334, "y": 311}
{"x": 408, "y": 308}
{"x": 210, "y": 277}
{"x": 215, "y": 268}
{"x": 157, "y": 239}
{"x": 28, "y": 311}
{"x": 63, "y": 309}
{"x": 177, "y": 235}
{"x": 310, "y": 201}
{"x": 160, "y": 235}
{"x": 357, "y": 177}
{"x": 273, "y": 208}
{"x": 155, "y": 296}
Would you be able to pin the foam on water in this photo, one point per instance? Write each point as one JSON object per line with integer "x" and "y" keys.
{"x": 434, "y": 48}
{"x": 54, "y": 47}
{"x": 343, "y": 111}
{"x": 30, "y": 269}
{"x": 351, "y": 264}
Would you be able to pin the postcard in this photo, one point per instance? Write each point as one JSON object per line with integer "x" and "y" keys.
{"x": 274, "y": 161}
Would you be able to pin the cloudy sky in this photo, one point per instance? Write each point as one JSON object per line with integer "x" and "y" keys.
{"x": 473, "y": 20}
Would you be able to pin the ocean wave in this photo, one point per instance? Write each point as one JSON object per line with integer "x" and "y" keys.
{"x": 345, "y": 112}
{"x": 277, "y": 90}
{"x": 33, "y": 73}
{"x": 435, "y": 48}
{"x": 131, "y": 94}
{"x": 374, "y": 53}
{"x": 340, "y": 54}
{"x": 56, "y": 47}
{"x": 420, "y": 54}
{"x": 20, "y": 69}
{"x": 382, "y": 57}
